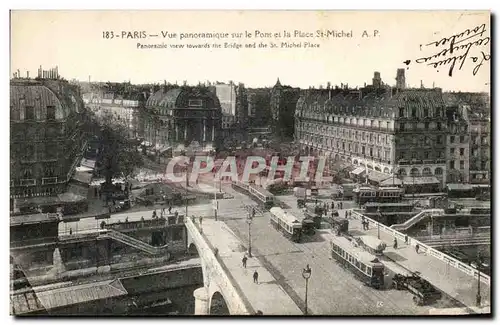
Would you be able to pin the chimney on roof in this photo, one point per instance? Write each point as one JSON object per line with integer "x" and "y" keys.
{"x": 377, "y": 80}
{"x": 27, "y": 74}
{"x": 421, "y": 84}
{"x": 328, "y": 85}
{"x": 400, "y": 79}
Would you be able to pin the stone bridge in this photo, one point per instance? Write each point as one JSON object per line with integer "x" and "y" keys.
{"x": 228, "y": 287}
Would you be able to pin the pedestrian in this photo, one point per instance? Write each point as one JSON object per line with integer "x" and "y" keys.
{"x": 417, "y": 247}
{"x": 395, "y": 243}
{"x": 316, "y": 201}
{"x": 244, "y": 261}
{"x": 256, "y": 277}
{"x": 170, "y": 210}
{"x": 406, "y": 239}
{"x": 341, "y": 205}
{"x": 333, "y": 205}
{"x": 201, "y": 220}
{"x": 70, "y": 231}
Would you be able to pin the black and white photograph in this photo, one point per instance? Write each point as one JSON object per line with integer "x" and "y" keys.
{"x": 250, "y": 163}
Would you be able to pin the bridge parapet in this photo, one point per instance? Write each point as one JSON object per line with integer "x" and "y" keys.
{"x": 216, "y": 277}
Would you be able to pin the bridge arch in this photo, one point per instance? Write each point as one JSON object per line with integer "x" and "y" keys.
{"x": 218, "y": 304}
{"x": 193, "y": 250}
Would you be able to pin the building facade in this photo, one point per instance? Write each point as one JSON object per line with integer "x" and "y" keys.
{"x": 47, "y": 138}
{"x": 387, "y": 132}
{"x": 283, "y": 102}
{"x": 182, "y": 117}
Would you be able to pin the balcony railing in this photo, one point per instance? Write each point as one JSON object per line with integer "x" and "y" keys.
{"x": 49, "y": 180}
{"x": 28, "y": 182}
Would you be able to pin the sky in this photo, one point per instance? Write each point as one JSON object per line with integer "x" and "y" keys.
{"x": 76, "y": 42}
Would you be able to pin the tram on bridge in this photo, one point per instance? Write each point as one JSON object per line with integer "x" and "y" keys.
{"x": 286, "y": 223}
{"x": 363, "y": 264}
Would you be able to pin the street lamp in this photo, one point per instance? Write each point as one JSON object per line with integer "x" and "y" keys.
{"x": 306, "y": 274}
{"x": 478, "y": 295}
{"x": 379, "y": 214}
{"x": 251, "y": 214}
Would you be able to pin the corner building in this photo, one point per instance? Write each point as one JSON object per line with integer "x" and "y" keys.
{"x": 397, "y": 135}
{"x": 47, "y": 139}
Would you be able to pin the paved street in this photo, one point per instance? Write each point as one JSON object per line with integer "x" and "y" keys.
{"x": 332, "y": 289}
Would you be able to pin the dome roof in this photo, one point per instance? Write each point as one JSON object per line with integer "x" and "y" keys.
{"x": 178, "y": 98}
{"x": 39, "y": 97}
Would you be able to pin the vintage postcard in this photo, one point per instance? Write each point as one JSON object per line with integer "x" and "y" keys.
{"x": 250, "y": 163}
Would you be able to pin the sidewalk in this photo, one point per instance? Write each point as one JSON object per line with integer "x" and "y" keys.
{"x": 266, "y": 296}
{"x": 452, "y": 281}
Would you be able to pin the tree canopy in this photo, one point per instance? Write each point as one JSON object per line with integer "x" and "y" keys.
{"x": 118, "y": 155}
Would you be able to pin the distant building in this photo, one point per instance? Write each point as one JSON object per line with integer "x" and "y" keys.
{"x": 283, "y": 103}
{"x": 47, "y": 139}
{"x": 182, "y": 119}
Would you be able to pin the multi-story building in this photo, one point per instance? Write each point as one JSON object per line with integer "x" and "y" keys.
{"x": 259, "y": 110}
{"x": 479, "y": 118}
{"x": 457, "y": 141}
{"x": 182, "y": 117}
{"x": 283, "y": 103}
{"x": 233, "y": 101}
{"x": 47, "y": 139}
{"x": 395, "y": 134}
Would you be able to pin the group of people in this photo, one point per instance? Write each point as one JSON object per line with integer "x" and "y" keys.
{"x": 255, "y": 273}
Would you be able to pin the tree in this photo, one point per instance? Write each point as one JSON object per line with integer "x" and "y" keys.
{"x": 118, "y": 154}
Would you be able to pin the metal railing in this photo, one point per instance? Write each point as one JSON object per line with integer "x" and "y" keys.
{"x": 429, "y": 250}
{"x": 136, "y": 243}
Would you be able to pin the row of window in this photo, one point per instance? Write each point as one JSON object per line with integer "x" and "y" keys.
{"x": 452, "y": 139}
{"x": 30, "y": 114}
{"x": 425, "y": 172}
{"x": 461, "y": 151}
{"x": 413, "y": 112}
{"x": 414, "y": 126}
{"x": 420, "y": 155}
{"x": 344, "y": 132}
{"x": 352, "y": 260}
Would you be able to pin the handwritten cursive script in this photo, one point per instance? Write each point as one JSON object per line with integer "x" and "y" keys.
{"x": 457, "y": 44}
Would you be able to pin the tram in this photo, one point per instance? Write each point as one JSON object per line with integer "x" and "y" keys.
{"x": 286, "y": 223}
{"x": 366, "y": 194}
{"x": 363, "y": 264}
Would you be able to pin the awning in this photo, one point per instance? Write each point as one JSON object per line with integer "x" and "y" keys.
{"x": 88, "y": 163}
{"x": 392, "y": 181}
{"x": 84, "y": 169}
{"x": 408, "y": 180}
{"x": 82, "y": 177}
{"x": 377, "y": 176}
{"x": 358, "y": 171}
{"x": 460, "y": 187}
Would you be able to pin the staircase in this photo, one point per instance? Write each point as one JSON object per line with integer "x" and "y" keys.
{"x": 412, "y": 221}
{"x": 136, "y": 243}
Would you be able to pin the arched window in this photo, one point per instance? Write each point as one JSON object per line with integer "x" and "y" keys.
{"x": 426, "y": 171}
{"x": 414, "y": 172}
{"x": 402, "y": 172}
{"x": 438, "y": 171}
{"x": 386, "y": 170}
